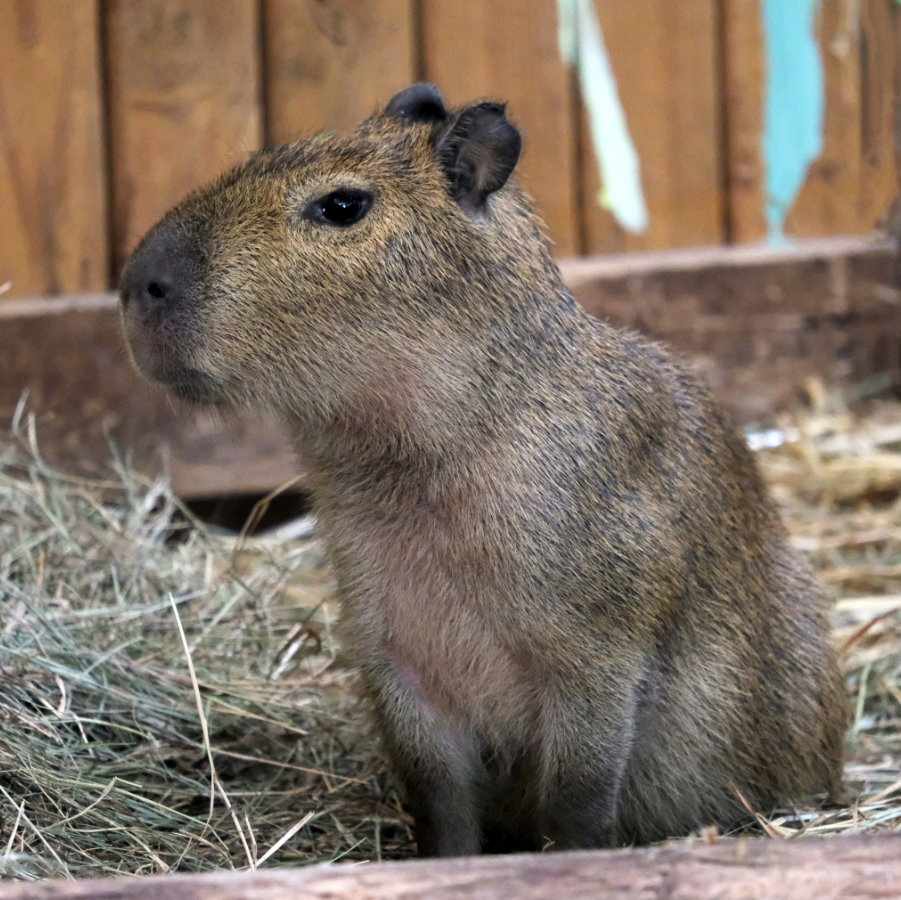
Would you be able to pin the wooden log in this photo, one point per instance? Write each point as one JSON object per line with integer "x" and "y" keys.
{"x": 758, "y": 321}
{"x": 52, "y": 187}
{"x": 848, "y": 867}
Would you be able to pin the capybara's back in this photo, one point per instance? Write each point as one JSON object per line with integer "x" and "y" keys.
{"x": 743, "y": 683}
{"x": 575, "y": 609}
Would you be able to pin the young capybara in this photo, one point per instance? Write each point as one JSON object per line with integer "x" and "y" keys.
{"x": 575, "y": 609}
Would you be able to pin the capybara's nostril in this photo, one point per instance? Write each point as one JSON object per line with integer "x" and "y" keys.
{"x": 157, "y": 275}
{"x": 150, "y": 294}
{"x": 154, "y": 294}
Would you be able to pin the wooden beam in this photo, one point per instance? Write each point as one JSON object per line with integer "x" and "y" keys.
{"x": 853, "y": 868}
{"x": 758, "y": 321}
{"x": 69, "y": 355}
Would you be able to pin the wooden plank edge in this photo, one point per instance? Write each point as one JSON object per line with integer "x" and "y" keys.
{"x": 577, "y": 271}
{"x": 851, "y": 867}
{"x": 56, "y": 306}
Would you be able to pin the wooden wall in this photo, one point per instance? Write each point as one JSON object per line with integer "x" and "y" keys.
{"x": 856, "y": 177}
{"x": 110, "y": 110}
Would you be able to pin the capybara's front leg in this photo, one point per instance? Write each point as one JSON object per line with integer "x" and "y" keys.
{"x": 438, "y": 767}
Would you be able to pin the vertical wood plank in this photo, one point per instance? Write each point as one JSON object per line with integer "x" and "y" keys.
{"x": 828, "y": 203}
{"x": 52, "y": 187}
{"x": 856, "y": 177}
{"x": 183, "y": 102}
{"x": 664, "y": 58}
{"x": 744, "y": 69}
{"x": 330, "y": 65}
{"x": 880, "y": 58}
{"x": 475, "y": 49}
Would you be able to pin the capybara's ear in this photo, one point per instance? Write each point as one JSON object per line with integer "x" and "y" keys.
{"x": 479, "y": 149}
{"x": 418, "y": 103}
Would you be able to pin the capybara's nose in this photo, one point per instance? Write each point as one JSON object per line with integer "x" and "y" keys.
{"x": 156, "y": 276}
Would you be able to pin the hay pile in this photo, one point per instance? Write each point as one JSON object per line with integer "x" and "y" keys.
{"x": 115, "y": 758}
{"x": 837, "y": 479}
{"x": 104, "y": 765}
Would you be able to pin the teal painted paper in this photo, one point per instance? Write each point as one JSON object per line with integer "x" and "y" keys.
{"x": 793, "y": 105}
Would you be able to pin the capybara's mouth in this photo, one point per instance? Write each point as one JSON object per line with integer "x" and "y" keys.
{"x": 164, "y": 360}
{"x": 191, "y": 385}
{"x": 186, "y": 382}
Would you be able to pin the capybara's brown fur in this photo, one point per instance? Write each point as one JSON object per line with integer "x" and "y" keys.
{"x": 574, "y": 606}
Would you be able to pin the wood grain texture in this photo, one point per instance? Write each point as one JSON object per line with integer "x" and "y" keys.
{"x": 828, "y": 203}
{"x": 477, "y": 49}
{"x": 183, "y": 91}
{"x": 53, "y": 234}
{"x": 758, "y": 321}
{"x": 744, "y": 67}
{"x": 856, "y": 177}
{"x": 331, "y": 64}
{"x": 664, "y": 58}
{"x": 852, "y": 868}
{"x": 880, "y": 58}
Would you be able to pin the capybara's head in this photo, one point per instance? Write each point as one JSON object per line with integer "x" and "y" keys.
{"x": 321, "y": 271}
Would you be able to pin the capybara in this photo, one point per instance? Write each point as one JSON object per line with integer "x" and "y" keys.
{"x": 575, "y": 609}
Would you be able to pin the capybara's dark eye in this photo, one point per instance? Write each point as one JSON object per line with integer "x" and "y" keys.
{"x": 340, "y": 208}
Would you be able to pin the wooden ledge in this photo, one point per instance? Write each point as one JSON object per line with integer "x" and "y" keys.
{"x": 40, "y": 307}
{"x": 579, "y": 270}
{"x": 850, "y": 868}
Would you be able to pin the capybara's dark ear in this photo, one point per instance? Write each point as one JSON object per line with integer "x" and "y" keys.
{"x": 418, "y": 103}
{"x": 479, "y": 149}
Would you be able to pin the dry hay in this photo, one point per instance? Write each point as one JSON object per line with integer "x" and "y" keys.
{"x": 837, "y": 479}
{"x": 105, "y": 767}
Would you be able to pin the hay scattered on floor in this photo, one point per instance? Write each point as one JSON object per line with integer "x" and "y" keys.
{"x": 838, "y": 482}
{"x": 104, "y": 767}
